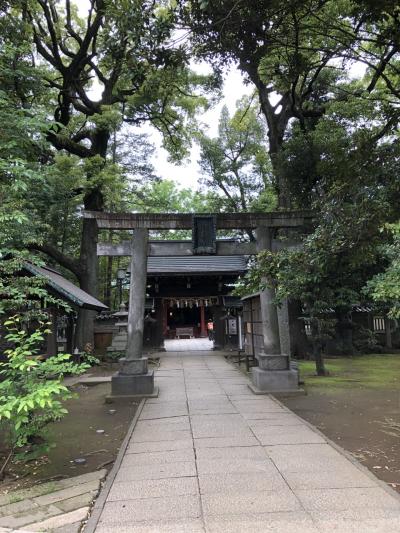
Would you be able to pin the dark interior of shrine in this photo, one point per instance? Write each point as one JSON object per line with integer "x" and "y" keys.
{"x": 186, "y": 316}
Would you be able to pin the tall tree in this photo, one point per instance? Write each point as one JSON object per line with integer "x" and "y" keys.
{"x": 236, "y": 164}
{"x": 115, "y": 66}
{"x": 354, "y": 190}
{"x": 296, "y": 53}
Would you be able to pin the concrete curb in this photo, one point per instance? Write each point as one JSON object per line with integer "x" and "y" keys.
{"x": 94, "y": 517}
{"x": 342, "y": 451}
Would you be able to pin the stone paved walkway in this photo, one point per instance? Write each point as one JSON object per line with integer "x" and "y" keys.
{"x": 208, "y": 455}
{"x": 188, "y": 345}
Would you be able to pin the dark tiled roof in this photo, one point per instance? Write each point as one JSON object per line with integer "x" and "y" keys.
{"x": 65, "y": 288}
{"x": 197, "y": 264}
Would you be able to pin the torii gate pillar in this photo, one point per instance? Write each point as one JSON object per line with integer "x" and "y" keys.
{"x": 134, "y": 378}
{"x": 274, "y": 372}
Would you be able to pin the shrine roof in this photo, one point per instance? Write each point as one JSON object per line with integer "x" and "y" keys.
{"x": 197, "y": 264}
{"x": 65, "y": 288}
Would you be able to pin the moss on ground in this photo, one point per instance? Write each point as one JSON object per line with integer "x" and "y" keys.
{"x": 368, "y": 371}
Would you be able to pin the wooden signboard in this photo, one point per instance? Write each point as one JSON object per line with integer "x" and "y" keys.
{"x": 204, "y": 234}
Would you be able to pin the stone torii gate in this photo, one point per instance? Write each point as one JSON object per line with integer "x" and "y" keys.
{"x": 274, "y": 372}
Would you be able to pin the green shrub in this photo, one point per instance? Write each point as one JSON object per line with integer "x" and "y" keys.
{"x": 31, "y": 389}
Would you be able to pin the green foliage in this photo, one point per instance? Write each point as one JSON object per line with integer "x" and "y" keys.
{"x": 299, "y": 54}
{"x": 74, "y": 91}
{"x": 346, "y": 168}
{"x": 114, "y": 357}
{"x": 353, "y": 190}
{"x": 164, "y": 196}
{"x": 31, "y": 390}
{"x": 384, "y": 287}
{"x": 236, "y": 164}
{"x": 22, "y": 175}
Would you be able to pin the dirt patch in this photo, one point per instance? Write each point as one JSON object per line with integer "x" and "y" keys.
{"x": 358, "y": 407}
{"x": 90, "y": 430}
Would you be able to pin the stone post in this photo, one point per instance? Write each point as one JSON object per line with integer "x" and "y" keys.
{"x": 284, "y": 327}
{"x": 274, "y": 373}
{"x": 137, "y": 294}
{"x": 133, "y": 378}
{"x": 269, "y": 315}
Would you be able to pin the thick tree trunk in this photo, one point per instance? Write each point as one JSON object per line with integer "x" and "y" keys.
{"x": 319, "y": 360}
{"x": 284, "y": 197}
{"x": 277, "y": 125}
{"x": 344, "y": 330}
{"x": 93, "y": 201}
{"x": 317, "y": 350}
{"x": 88, "y": 283}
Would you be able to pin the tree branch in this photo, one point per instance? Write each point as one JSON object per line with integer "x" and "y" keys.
{"x": 71, "y": 264}
{"x": 64, "y": 143}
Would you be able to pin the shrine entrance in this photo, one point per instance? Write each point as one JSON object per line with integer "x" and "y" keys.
{"x": 189, "y": 296}
{"x": 177, "y": 274}
{"x": 186, "y": 317}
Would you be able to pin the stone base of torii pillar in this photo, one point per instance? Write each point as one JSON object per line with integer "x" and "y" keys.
{"x": 274, "y": 374}
{"x": 134, "y": 379}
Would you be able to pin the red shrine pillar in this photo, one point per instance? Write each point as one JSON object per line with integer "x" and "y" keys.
{"x": 203, "y": 328}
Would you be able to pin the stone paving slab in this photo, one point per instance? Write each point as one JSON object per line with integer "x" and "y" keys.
{"x": 286, "y": 434}
{"x": 128, "y": 512}
{"x": 347, "y": 498}
{"x": 152, "y": 435}
{"x": 60, "y": 521}
{"x": 234, "y": 452}
{"x": 160, "y": 446}
{"x": 57, "y": 506}
{"x": 50, "y": 486}
{"x": 321, "y": 479}
{"x": 208, "y": 456}
{"x": 165, "y": 410}
{"x": 83, "y": 500}
{"x": 17, "y": 507}
{"x": 67, "y": 493}
{"x": 177, "y": 423}
{"x": 226, "y": 442}
{"x": 269, "y": 501}
{"x": 29, "y": 517}
{"x": 240, "y": 482}
{"x": 280, "y": 522}
{"x": 228, "y": 466}
{"x": 157, "y": 471}
{"x": 154, "y": 488}
{"x": 164, "y": 526}
{"x": 274, "y": 419}
{"x": 224, "y": 425}
{"x": 307, "y": 458}
{"x": 168, "y": 456}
